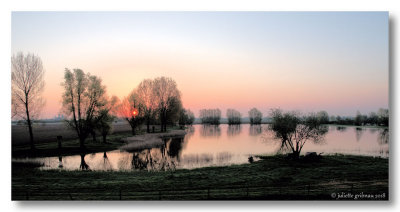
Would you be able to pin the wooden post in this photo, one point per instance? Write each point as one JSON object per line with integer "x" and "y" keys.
{"x": 59, "y": 139}
{"x": 120, "y": 194}
{"x": 208, "y": 193}
{"x": 159, "y": 195}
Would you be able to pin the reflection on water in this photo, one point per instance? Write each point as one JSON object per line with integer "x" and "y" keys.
{"x": 383, "y": 137}
{"x": 341, "y": 128}
{"x": 234, "y": 130}
{"x": 206, "y": 146}
{"x": 255, "y": 130}
{"x": 83, "y": 164}
{"x": 210, "y": 130}
{"x": 359, "y": 132}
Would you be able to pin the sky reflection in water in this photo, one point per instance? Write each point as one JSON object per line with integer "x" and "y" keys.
{"x": 221, "y": 145}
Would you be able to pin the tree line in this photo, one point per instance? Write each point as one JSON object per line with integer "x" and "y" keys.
{"x": 89, "y": 109}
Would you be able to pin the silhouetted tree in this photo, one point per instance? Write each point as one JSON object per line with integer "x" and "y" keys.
{"x": 383, "y": 117}
{"x": 255, "y": 116}
{"x": 294, "y": 131}
{"x": 173, "y": 111}
{"x": 83, "y": 98}
{"x": 167, "y": 96}
{"x": 373, "y": 119}
{"x": 234, "y": 116}
{"x": 210, "y": 116}
{"x": 131, "y": 109}
{"x": 105, "y": 118}
{"x": 323, "y": 117}
{"x": 147, "y": 96}
{"x": 186, "y": 117}
{"x": 360, "y": 119}
{"x": 26, "y": 88}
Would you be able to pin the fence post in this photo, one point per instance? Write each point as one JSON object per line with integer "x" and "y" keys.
{"x": 351, "y": 191}
{"x": 120, "y": 194}
{"x": 208, "y": 193}
{"x": 247, "y": 191}
{"x": 308, "y": 190}
{"x": 27, "y": 195}
{"x": 70, "y": 196}
{"x": 159, "y": 195}
{"x": 59, "y": 140}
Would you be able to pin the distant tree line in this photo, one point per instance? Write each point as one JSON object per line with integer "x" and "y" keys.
{"x": 210, "y": 116}
{"x": 255, "y": 116}
{"x": 234, "y": 116}
{"x": 380, "y": 118}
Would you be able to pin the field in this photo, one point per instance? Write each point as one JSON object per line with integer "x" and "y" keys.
{"x": 330, "y": 178}
{"x": 48, "y": 132}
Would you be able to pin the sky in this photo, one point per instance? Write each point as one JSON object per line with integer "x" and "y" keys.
{"x": 306, "y": 61}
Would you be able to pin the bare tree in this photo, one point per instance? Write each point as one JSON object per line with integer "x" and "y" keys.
{"x": 210, "y": 116}
{"x": 27, "y": 85}
{"x": 166, "y": 96}
{"x": 234, "y": 116}
{"x": 255, "y": 116}
{"x": 103, "y": 121}
{"x": 132, "y": 109}
{"x": 186, "y": 117}
{"x": 83, "y": 98}
{"x": 147, "y": 98}
{"x": 294, "y": 131}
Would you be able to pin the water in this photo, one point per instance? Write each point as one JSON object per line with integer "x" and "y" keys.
{"x": 221, "y": 145}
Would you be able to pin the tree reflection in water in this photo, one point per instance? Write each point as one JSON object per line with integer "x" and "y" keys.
{"x": 359, "y": 132}
{"x": 106, "y": 163}
{"x": 210, "y": 130}
{"x": 83, "y": 165}
{"x": 341, "y": 128}
{"x": 255, "y": 130}
{"x": 234, "y": 130}
{"x": 383, "y": 137}
{"x": 166, "y": 157}
{"x": 60, "y": 163}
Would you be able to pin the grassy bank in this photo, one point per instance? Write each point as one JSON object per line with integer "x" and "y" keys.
{"x": 72, "y": 147}
{"x": 270, "y": 178}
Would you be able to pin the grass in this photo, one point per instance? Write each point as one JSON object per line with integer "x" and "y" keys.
{"x": 272, "y": 177}
{"x": 72, "y": 147}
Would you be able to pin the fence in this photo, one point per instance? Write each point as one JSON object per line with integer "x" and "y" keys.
{"x": 245, "y": 192}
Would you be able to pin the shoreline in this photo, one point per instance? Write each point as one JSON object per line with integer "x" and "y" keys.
{"x": 149, "y": 140}
{"x": 271, "y": 178}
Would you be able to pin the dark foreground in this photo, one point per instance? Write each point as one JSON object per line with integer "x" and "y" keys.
{"x": 272, "y": 178}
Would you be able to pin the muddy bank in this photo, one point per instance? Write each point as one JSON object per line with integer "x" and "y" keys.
{"x": 151, "y": 140}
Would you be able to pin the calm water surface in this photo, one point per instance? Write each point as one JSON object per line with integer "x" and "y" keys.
{"x": 221, "y": 145}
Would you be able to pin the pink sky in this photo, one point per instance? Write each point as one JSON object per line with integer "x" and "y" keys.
{"x": 295, "y": 61}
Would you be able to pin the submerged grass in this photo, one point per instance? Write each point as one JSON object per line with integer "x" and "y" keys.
{"x": 273, "y": 177}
